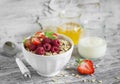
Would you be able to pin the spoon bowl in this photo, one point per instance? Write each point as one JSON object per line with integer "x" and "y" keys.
{"x": 11, "y": 50}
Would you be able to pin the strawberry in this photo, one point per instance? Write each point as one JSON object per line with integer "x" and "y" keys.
{"x": 55, "y": 35}
{"x": 35, "y": 40}
{"x": 27, "y": 43}
{"x": 85, "y": 66}
{"x": 39, "y": 34}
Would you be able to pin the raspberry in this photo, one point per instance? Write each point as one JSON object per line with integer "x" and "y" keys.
{"x": 40, "y": 51}
{"x": 32, "y": 47}
{"x": 47, "y": 46}
{"x": 56, "y": 42}
{"x": 55, "y": 49}
{"x": 46, "y": 40}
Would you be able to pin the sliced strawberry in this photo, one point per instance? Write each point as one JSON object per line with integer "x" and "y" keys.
{"x": 35, "y": 40}
{"x": 39, "y": 34}
{"x": 27, "y": 43}
{"x": 55, "y": 35}
{"x": 85, "y": 67}
{"x": 42, "y": 36}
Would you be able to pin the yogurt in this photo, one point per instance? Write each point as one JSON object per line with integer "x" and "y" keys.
{"x": 92, "y": 47}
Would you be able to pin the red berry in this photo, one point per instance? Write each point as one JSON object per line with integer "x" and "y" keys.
{"x": 40, "y": 51}
{"x": 27, "y": 43}
{"x": 46, "y": 40}
{"x": 85, "y": 67}
{"x": 55, "y": 35}
{"x": 39, "y": 34}
{"x": 47, "y": 46}
{"x": 55, "y": 49}
{"x": 56, "y": 42}
{"x": 35, "y": 40}
{"x": 32, "y": 47}
{"x": 40, "y": 45}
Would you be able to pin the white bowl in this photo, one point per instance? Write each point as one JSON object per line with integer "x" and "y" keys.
{"x": 92, "y": 47}
{"x": 49, "y": 65}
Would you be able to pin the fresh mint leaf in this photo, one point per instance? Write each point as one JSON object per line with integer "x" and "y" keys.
{"x": 50, "y": 35}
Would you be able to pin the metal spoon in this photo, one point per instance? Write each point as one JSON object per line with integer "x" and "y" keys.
{"x": 37, "y": 21}
{"x": 10, "y": 49}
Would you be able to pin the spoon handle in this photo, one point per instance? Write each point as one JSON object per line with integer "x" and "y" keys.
{"x": 24, "y": 70}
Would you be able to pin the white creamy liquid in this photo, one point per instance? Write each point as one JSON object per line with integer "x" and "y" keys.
{"x": 92, "y": 47}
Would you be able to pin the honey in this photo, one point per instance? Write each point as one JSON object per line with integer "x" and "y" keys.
{"x": 72, "y": 30}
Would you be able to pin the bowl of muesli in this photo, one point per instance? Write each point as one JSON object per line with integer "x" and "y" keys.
{"x": 47, "y": 52}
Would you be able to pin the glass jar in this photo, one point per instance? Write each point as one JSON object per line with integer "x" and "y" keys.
{"x": 70, "y": 25}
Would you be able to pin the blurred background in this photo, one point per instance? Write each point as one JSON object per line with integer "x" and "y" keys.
{"x": 18, "y": 17}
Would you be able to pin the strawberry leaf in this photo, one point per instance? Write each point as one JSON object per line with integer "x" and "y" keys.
{"x": 78, "y": 61}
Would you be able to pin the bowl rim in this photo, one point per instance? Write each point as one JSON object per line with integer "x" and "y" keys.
{"x": 51, "y": 56}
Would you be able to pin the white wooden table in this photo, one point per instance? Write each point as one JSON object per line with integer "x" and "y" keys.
{"x": 16, "y": 19}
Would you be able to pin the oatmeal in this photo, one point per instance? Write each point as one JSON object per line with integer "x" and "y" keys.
{"x": 46, "y": 43}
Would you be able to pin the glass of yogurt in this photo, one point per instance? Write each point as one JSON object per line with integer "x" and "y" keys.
{"x": 92, "y": 47}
